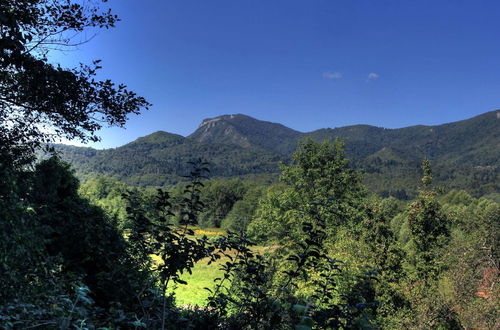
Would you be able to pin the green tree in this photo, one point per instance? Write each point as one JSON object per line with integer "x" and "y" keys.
{"x": 428, "y": 237}
{"x": 40, "y": 101}
{"x": 242, "y": 212}
{"x": 318, "y": 182}
{"x": 276, "y": 216}
{"x": 108, "y": 195}
{"x": 386, "y": 256}
{"x": 55, "y": 239}
{"x": 429, "y": 229}
{"x": 320, "y": 203}
{"x": 471, "y": 279}
{"x": 22, "y": 253}
{"x": 80, "y": 234}
{"x": 219, "y": 196}
{"x": 321, "y": 176}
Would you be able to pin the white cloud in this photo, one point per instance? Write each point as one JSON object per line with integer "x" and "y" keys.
{"x": 332, "y": 75}
{"x": 373, "y": 75}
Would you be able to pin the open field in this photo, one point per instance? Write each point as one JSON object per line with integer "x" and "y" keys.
{"x": 203, "y": 275}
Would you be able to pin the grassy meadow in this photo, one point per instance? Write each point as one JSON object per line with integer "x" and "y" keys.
{"x": 203, "y": 274}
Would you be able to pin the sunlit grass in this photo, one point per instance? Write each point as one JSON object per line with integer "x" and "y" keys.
{"x": 209, "y": 232}
{"x": 203, "y": 274}
{"x": 193, "y": 293}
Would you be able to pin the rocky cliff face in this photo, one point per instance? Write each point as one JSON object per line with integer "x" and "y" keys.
{"x": 220, "y": 130}
{"x": 211, "y": 122}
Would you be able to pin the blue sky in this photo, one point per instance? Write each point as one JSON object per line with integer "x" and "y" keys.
{"x": 307, "y": 64}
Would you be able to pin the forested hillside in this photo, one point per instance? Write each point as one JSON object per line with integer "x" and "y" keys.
{"x": 247, "y": 132}
{"x": 466, "y": 154}
{"x": 162, "y": 158}
{"x": 315, "y": 250}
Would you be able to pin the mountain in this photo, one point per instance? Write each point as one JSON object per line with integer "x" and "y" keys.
{"x": 162, "y": 158}
{"x": 247, "y": 132}
{"x": 465, "y": 154}
{"x": 451, "y": 142}
{"x": 474, "y": 141}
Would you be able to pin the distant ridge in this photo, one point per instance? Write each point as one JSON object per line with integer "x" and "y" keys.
{"x": 436, "y": 142}
{"x": 465, "y": 154}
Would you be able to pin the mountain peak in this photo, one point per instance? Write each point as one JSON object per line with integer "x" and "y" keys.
{"x": 210, "y": 122}
{"x": 247, "y": 132}
{"x": 159, "y": 137}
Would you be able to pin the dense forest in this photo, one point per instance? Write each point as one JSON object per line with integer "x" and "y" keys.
{"x": 465, "y": 154}
{"x": 99, "y": 253}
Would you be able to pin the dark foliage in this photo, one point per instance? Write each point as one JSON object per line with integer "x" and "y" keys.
{"x": 40, "y": 101}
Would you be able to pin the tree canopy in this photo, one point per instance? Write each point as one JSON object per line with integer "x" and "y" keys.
{"x": 41, "y": 101}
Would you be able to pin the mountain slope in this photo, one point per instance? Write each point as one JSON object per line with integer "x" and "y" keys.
{"x": 451, "y": 142}
{"x": 247, "y": 132}
{"x": 162, "y": 158}
{"x": 465, "y": 154}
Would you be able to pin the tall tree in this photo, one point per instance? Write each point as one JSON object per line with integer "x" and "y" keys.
{"x": 428, "y": 233}
{"x": 52, "y": 239}
{"x": 428, "y": 226}
{"x": 40, "y": 101}
{"x": 323, "y": 179}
